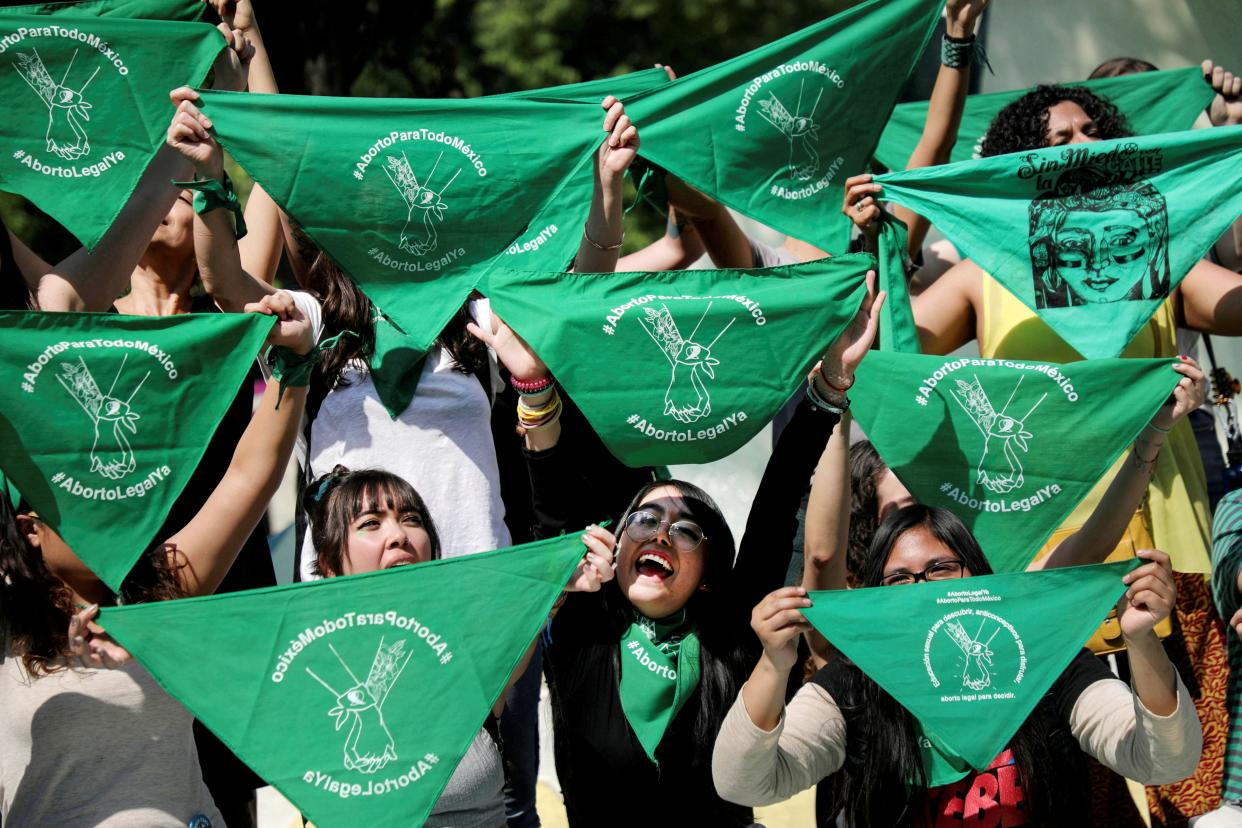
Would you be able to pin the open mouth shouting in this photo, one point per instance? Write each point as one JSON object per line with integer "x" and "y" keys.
{"x": 655, "y": 564}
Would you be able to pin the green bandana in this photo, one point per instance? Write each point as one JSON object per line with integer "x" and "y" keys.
{"x": 970, "y": 658}
{"x": 1152, "y": 102}
{"x": 897, "y": 329}
{"x": 659, "y": 672}
{"x": 103, "y": 418}
{"x": 1011, "y": 447}
{"x": 87, "y": 108}
{"x": 682, "y": 366}
{"x": 1092, "y": 237}
{"x": 412, "y": 198}
{"x": 356, "y": 697}
{"x": 774, "y": 133}
{"x": 185, "y": 10}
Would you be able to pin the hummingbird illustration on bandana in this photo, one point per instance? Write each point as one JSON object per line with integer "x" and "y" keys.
{"x": 687, "y": 399}
{"x": 111, "y": 454}
{"x": 801, "y": 130}
{"x": 418, "y": 196}
{"x": 999, "y": 426}
{"x": 67, "y": 110}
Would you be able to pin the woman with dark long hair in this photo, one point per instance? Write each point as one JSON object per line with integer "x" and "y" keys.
{"x": 844, "y": 727}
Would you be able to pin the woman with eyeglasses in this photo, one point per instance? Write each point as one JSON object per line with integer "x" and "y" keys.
{"x": 642, "y": 672}
{"x": 843, "y": 727}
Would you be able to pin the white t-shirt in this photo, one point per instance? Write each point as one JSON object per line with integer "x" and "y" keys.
{"x": 442, "y": 444}
{"x": 96, "y": 747}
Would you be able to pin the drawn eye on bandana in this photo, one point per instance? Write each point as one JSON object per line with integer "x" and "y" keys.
{"x": 67, "y": 110}
{"x": 111, "y": 454}
{"x": 997, "y": 426}
{"x": 977, "y": 654}
{"x": 1094, "y": 240}
{"x": 687, "y": 399}
{"x": 801, "y": 131}
{"x": 418, "y": 196}
{"x": 369, "y": 745}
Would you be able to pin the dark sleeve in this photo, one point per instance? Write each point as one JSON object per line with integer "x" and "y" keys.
{"x": 1086, "y": 669}
{"x": 767, "y": 544}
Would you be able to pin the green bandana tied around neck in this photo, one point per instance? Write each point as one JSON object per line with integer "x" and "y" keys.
{"x": 414, "y": 199}
{"x": 356, "y": 697}
{"x": 1092, "y": 237}
{"x": 86, "y": 108}
{"x": 970, "y": 657}
{"x": 775, "y": 132}
{"x": 103, "y": 418}
{"x": 682, "y": 366}
{"x": 659, "y": 671}
{"x": 1009, "y": 446}
{"x": 1152, "y": 102}
{"x": 188, "y": 11}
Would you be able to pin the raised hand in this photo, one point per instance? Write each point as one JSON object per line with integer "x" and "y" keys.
{"x": 1150, "y": 594}
{"x": 238, "y": 14}
{"x": 188, "y": 135}
{"x": 511, "y": 350}
{"x": 233, "y": 63}
{"x": 778, "y": 623}
{"x": 961, "y": 16}
{"x": 1226, "y": 107}
{"x": 597, "y": 566}
{"x": 860, "y": 205}
{"x": 293, "y": 330}
{"x": 618, "y": 150}
{"x": 90, "y": 646}
{"x": 844, "y": 355}
{"x": 1189, "y": 394}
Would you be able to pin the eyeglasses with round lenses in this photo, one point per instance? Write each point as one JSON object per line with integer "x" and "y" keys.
{"x": 939, "y": 571}
{"x": 642, "y": 526}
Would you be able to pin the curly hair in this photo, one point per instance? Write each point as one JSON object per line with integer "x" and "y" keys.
{"x": 1023, "y": 124}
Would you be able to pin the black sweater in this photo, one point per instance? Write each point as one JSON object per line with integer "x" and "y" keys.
{"x": 604, "y": 772}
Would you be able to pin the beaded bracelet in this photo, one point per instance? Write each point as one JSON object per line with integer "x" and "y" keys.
{"x": 823, "y": 404}
{"x": 530, "y": 387}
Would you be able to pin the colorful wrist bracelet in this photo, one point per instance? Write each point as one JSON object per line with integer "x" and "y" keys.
{"x": 529, "y": 387}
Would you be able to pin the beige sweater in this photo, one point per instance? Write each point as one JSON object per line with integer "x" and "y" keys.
{"x": 753, "y": 767}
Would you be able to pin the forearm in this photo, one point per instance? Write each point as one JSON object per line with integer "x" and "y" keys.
{"x": 91, "y": 281}
{"x": 764, "y": 694}
{"x": 1229, "y": 247}
{"x": 723, "y": 240}
{"x": 1107, "y": 524}
{"x": 679, "y": 247}
{"x": 220, "y": 265}
{"x": 604, "y": 226}
{"x": 1152, "y": 674}
{"x": 828, "y": 515}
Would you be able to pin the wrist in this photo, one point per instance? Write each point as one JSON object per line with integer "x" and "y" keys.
{"x": 210, "y": 170}
{"x": 960, "y": 29}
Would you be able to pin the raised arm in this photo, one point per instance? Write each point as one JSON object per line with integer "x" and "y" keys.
{"x": 91, "y": 281}
{"x": 604, "y": 231}
{"x": 679, "y": 247}
{"x": 723, "y": 240}
{"x": 827, "y": 524}
{"x": 1107, "y": 524}
{"x": 204, "y": 549}
{"x": 1226, "y": 110}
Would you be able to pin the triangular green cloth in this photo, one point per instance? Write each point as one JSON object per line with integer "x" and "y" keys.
{"x": 683, "y": 366}
{"x": 356, "y": 697}
{"x": 775, "y": 132}
{"x": 185, "y": 10}
{"x": 1152, "y": 102}
{"x": 1092, "y": 237}
{"x": 86, "y": 108}
{"x": 1010, "y": 446}
{"x": 897, "y": 329}
{"x": 660, "y": 671}
{"x": 103, "y": 418}
{"x": 414, "y": 198}
{"x": 970, "y": 657}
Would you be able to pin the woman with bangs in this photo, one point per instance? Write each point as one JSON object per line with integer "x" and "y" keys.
{"x": 368, "y": 520}
{"x": 642, "y": 673}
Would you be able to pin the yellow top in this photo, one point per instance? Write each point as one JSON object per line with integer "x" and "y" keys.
{"x": 1176, "y": 502}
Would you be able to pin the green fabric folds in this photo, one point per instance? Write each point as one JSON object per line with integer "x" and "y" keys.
{"x": 775, "y": 132}
{"x": 103, "y": 418}
{"x": 1152, "y": 102}
{"x": 86, "y": 108}
{"x": 356, "y": 697}
{"x": 970, "y": 658}
{"x": 685, "y": 366}
{"x": 1092, "y": 237}
{"x": 897, "y": 329}
{"x": 1010, "y": 446}
{"x": 414, "y": 199}
{"x": 659, "y": 671}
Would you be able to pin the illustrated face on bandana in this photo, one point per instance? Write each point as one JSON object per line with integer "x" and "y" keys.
{"x": 1109, "y": 244}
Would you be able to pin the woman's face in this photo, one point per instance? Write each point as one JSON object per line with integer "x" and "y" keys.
{"x": 176, "y": 232}
{"x": 658, "y": 578}
{"x": 1102, "y": 256}
{"x": 917, "y": 551}
{"x": 385, "y": 537}
{"x": 1068, "y": 123}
